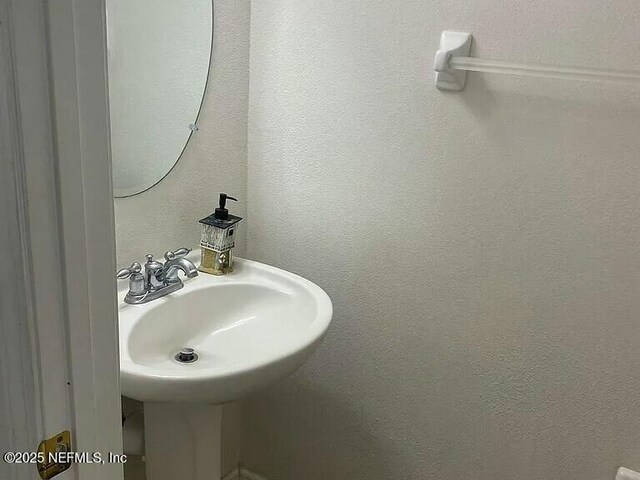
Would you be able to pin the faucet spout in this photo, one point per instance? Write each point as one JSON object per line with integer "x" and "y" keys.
{"x": 172, "y": 267}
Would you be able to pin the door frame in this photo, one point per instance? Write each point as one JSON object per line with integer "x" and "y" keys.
{"x": 63, "y": 314}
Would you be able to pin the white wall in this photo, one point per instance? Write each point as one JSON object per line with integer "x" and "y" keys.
{"x": 481, "y": 249}
{"x": 166, "y": 216}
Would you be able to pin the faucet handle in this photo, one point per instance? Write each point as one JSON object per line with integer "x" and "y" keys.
{"x": 127, "y": 272}
{"x": 181, "y": 252}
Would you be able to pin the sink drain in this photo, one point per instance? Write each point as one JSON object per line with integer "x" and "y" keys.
{"x": 186, "y": 355}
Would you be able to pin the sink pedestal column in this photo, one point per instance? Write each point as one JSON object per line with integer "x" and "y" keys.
{"x": 183, "y": 440}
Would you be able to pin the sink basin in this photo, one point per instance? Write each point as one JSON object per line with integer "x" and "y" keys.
{"x": 249, "y": 328}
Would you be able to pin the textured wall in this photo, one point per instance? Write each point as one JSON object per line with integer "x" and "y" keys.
{"x": 166, "y": 216}
{"x": 481, "y": 248}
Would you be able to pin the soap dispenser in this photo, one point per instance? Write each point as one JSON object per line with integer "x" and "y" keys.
{"x": 218, "y": 239}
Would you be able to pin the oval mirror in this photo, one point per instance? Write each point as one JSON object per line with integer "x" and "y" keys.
{"x": 158, "y": 53}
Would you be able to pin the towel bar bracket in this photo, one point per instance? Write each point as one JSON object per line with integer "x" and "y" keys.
{"x": 452, "y": 44}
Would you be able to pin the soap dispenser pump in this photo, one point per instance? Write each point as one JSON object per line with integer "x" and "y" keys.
{"x": 218, "y": 239}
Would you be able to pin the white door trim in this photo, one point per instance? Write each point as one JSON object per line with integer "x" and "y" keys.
{"x": 19, "y": 404}
{"x": 59, "y": 154}
{"x": 81, "y": 118}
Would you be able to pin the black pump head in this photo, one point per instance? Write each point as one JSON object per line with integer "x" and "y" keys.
{"x": 221, "y": 212}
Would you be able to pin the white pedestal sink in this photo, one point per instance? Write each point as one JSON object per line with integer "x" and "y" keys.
{"x": 249, "y": 328}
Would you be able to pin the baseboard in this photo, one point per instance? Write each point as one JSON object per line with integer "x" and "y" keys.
{"x": 242, "y": 473}
{"x": 234, "y": 475}
{"x": 246, "y": 474}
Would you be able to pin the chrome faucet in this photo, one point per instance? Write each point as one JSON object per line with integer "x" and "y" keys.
{"x": 158, "y": 279}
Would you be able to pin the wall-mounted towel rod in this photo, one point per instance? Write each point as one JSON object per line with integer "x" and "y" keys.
{"x": 452, "y": 63}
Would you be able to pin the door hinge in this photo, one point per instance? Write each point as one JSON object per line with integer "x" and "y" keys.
{"x": 53, "y": 455}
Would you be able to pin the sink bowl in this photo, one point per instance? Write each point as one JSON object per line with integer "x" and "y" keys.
{"x": 249, "y": 328}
